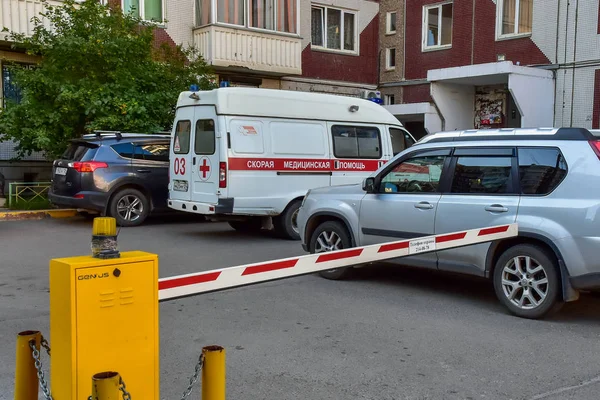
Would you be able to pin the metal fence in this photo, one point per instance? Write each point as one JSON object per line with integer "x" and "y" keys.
{"x": 27, "y": 192}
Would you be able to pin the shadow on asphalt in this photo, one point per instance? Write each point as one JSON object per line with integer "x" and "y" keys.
{"x": 471, "y": 290}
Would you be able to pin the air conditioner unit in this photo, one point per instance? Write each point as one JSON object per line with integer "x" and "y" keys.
{"x": 370, "y": 94}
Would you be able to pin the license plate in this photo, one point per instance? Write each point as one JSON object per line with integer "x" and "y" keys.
{"x": 180, "y": 186}
{"x": 60, "y": 171}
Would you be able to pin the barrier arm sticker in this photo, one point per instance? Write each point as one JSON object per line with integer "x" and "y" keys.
{"x": 226, "y": 278}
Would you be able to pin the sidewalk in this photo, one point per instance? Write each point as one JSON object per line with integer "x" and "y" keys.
{"x": 15, "y": 215}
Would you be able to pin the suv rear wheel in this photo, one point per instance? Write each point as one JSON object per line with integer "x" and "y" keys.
{"x": 129, "y": 207}
{"x": 331, "y": 236}
{"x": 527, "y": 281}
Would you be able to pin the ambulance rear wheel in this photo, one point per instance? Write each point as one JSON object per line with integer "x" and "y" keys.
{"x": 286, "y": 224}
{"x": 247, "y": 226}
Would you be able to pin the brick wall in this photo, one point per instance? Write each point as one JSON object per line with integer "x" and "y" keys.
{"x": 464, "y": 51}
{"x": 416, "y": 94}
{"x": 393, "y": 40}
{"x": 360, "y": 68}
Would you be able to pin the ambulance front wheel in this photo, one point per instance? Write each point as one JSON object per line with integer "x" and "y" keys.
{"x": 286, "y": 224}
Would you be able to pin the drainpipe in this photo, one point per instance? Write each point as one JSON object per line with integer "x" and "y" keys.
{"x": 473, "y": 35}
{"x": 574, "y": 61}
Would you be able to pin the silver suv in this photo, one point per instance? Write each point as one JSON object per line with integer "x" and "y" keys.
{"x": 545, "y": 180}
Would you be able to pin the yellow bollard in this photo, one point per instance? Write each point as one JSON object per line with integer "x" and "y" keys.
{"x": 105, "y": 386}
{"x": 213, "y": 373}
{"x": 26, "y": 381}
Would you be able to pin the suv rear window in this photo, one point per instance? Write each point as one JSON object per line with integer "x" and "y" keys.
{"x": 80, "y": 151}
{"x": 540, "y": 170}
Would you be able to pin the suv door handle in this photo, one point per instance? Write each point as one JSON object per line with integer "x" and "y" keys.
{"x": 499, "y": 208}
{"x": 423, "y": 205}
{"x": 143, "y": 171}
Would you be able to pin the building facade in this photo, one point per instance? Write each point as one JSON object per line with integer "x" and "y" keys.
{"x": 461, "y": 64}
{"x": 283, "y": 44}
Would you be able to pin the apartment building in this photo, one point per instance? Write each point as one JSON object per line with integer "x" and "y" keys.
{"x": 321, "y": 46}
{"x": 459, "y": 64}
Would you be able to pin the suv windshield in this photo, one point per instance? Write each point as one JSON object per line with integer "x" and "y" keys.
{"x": 80, "y": 151}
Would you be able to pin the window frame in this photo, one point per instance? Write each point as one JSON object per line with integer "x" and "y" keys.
{"x": 387, "y": 98}
{"x": 541, "y": 148}
{"x": 343, "y": 11}
{"x": 425, "y": 27}
{"x": 213, "y": 19}
{"x": 484, "y": 152}
{"x": 500, "y": 13}
{"x": 142, "y": 12}
{"x": 358, "y": 157}
{"x": 417, "y": 156}
{"x": 139, "y": 144}
{"x": 388, "y": 59}
{"x": 214, "y": 138}
{"x": 189, "y": 147}
{"x": 413, "y": 153}
{"x": 388, "y": 22}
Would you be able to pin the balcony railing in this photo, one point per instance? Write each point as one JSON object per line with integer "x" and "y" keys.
{"x": 244, "y": 48}
{"x": 16, "y": 15}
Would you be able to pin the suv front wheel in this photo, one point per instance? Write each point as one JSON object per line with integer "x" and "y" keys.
{"x": 527, "y": 281}
{"x": 331, "y": 236}
{"x": 129, "y": 207}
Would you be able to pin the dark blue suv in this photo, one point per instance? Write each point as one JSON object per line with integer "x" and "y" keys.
{"x": 124, "y": 176}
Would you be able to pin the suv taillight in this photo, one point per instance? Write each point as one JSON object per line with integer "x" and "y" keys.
{"x": 87, "y": 166}
{"x": 222, "y": 175}
{"x": 596, "y": 147}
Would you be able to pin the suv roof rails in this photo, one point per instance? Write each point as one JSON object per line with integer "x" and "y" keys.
{"x": 509, "y": 134}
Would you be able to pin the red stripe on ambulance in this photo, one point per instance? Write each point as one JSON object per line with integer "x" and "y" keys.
{"x": 302, "y": 164}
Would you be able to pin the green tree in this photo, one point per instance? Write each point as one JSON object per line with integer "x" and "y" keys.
{"x": 99, "y": 69}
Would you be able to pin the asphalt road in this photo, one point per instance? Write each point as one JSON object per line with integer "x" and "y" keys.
{"x": 390, "y": 333}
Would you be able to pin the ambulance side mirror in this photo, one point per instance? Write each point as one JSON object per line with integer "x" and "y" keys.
{"x": 369, "y": 185}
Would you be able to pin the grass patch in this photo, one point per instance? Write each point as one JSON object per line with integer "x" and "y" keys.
{"x": 35, "y": 204}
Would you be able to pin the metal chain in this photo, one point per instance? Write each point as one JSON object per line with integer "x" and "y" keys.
{"x": 123, "y": 388}
{"x": 40, "y": 372}
{"x": 194, "y": 377}
{"x": 44, "y": 343}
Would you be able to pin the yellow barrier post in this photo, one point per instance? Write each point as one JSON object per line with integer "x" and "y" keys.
{"x": 26, "y": 381}
{"x": 213, "y": 373}
{"x": 105, "y": 386}
{"x": 104, "y": 317}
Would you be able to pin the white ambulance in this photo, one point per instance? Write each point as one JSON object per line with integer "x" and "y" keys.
{"x": 248, "y": 156}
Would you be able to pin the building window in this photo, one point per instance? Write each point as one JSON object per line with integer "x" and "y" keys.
{"x": 437, "y": 26}
{"x": 514, "y": 17}
{"x": 231, "y": 12}
{"x": 148, "y": 10}
{"x": 390, "y": 23}
{"x": 11, "y": 92}
{"x": 333, "y": 28}
{"x": 272, "y": 15}
{"x": 390, "y": 62}
{"x": 389, "y": 99}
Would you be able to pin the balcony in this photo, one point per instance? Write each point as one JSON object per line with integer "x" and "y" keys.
{"x": 247, "y": 49}
{"x": 16, "y": 15}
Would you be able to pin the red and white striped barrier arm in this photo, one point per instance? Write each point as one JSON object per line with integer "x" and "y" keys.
{"x": 226, "y": 278}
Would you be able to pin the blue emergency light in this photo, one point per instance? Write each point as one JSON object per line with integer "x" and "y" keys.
{"x": 193, "y": 88}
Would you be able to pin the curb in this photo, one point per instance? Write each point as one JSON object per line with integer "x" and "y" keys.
{"x": 36, "y": 214}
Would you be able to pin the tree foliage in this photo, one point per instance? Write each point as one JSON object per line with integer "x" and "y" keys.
{"x": 99, "y": 69}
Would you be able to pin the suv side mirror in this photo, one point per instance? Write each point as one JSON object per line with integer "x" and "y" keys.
{"x": 369, "y": 185}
